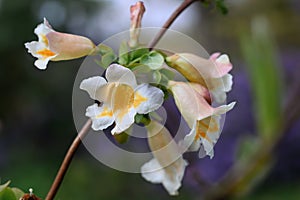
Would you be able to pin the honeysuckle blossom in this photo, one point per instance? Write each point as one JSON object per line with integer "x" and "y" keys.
{"x": 167, "y": 166}
{"x": 212, "y": 73}
{"x": 55, "y": 46}
{"x": 203, "y": 119}
{"x": 121, "y": 98}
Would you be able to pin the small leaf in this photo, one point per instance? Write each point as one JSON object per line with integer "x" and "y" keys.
{"x": 5, "y": 185}
{"x": 137, "y": 54}
{"x": 103, "y": 49}
{"x": 121, "y": 138}
{"x": 168, "y": 74}
{"x": 107, "y": 59}
{"x": 154, "y": 60}
{"x": 18, "y": 193}
{"x": 7, "y": 194}
{"x": 123, "y": 53}
{"x": 156, "y": 76}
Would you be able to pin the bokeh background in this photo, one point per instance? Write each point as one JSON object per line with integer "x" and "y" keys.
{"x": 257, "y": 156}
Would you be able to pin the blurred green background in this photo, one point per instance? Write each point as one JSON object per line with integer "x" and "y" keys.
{"x": 262, "y": 40}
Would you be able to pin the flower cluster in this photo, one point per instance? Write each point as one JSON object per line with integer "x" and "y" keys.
{"x": 120, "y": 98}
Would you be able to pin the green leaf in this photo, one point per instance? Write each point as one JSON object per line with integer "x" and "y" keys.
{"x": 121, "y": 138}
{"x": 137, "y": 54}
{"x": 18, "y": 193}
{"x": 103, "y": 49}
{"x": 263, "y": 68}
{"x": 154, "y": 60}
{"x": 123, "y": 53}
{"x": 156, "y": 76}
{"x": 5, "y": 185}
{"x": 7, "y": 194}
{"x": 107, "y": 59}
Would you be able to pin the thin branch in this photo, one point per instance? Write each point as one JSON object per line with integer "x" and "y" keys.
{"x": 67, "y": 160}
{"x": 169, "y": 22}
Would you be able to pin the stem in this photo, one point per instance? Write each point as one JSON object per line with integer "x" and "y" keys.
{"x": 67, "y": 160}
{"x": 169, "y": 22}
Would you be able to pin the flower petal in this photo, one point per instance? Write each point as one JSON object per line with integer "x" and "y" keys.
{"x": 118, "y": 73}
{"x": 102, "y": 117}
{"x": 92, "y": 84}
{"x": 41, "y": 63}
{"x": 122, "y": 104}
{"x": 191, "y": 104}
{"x": 169, "y": 176}
{"x": 42, "y": 30}
{"x": 168, "y": 166}
{"x": 123, "y": 120}
{"x": 147, "y": 98}
{"x": 222, "y": 62}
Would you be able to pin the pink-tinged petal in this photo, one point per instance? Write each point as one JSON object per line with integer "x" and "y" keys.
{"x": 206, "y": 132}
{"x": 168, "y": 166}
{"x": 69, "y": 46}
{"x": 222, "y": 62}
{"x": 120, "y": 74}
{"x": 191, "y": 104}
{"x": 147, "y": 98}
{"x": 102, "y": 116}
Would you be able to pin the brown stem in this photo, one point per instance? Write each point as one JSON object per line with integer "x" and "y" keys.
{"x": 169, "y": 22}
{"x": 67, "y": 160}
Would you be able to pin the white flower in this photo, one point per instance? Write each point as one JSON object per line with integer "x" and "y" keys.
{"x": 211, "y": 73}
{"x": 201, "y": 117}
{"x": 167, "y": 166}
{"x": 55, "y": 46}
{"x": 121, "y": 98}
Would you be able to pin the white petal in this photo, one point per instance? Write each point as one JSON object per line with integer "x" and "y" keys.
{"x": 120, "y": 74}
{"x": 92, "y": 84}
{"x": 42, "y": 30}
{"x": 123, "y": 120}
{"x": 152, "y": 171}
{"x": 170, "y": 176}
{"x": 208, "y": 147}
{"x": 41, "y": 63}
{"x": 190, "y": 142}
{"x": 227, "y": 82}
{"x": 34, "y": 47}
{"x": 102, "y": 117}
{"x": 147, "y": 98}
{"x": 223, "y": 109}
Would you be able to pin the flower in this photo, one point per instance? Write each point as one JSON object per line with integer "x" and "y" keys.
{"x": 167, "y": 166}
{"x": 201, "y": 117}
{"x": 57, "y": 46}
{"x": 211, "y": 73}
{"x": 121, "y": 98}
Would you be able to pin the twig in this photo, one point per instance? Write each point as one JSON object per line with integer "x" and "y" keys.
{"x": 169, "y": 22}
{"x": 67, "y": 160}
